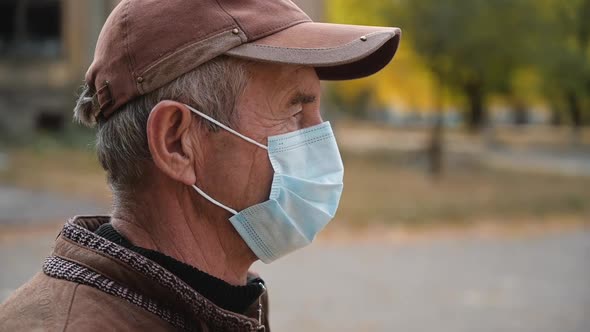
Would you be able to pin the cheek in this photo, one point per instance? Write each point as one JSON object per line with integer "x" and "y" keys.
{"x": 259, "y": 180}
{"x": 240, "y": 175}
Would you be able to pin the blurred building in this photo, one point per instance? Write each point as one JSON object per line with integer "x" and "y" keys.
{"x": 45, "y": 49}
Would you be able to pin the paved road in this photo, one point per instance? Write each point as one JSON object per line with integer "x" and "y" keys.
{"x": 538, "y": 284}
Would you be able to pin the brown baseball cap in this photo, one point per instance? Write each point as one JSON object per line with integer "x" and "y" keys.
{"x": 146, "y": 44}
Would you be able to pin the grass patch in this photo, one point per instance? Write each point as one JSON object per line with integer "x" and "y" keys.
{"x": 394, "y": 190}
{"x": 68, "y": 171}
{"x": 386, "y": 188}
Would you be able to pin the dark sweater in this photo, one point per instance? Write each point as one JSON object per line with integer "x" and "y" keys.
{"x": 224, "y": 295}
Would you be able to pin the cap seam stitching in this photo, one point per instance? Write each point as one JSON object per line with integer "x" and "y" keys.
{"x": 233, "y": 19}
{"x": 273, "y": 30}
{"x": 129, "y": 57}
{"x": 314, "y": 49}
{"x": 183, "y": 47}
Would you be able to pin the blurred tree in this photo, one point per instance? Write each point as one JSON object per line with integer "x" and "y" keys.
{"x": 402, "y": 84}
{"x": 473, "y": 46}
{"x": 524, "y": 90}
{"x": 523, "y": 51}
{"x": 564, "y": 59}
{"x": 408, "y": 85}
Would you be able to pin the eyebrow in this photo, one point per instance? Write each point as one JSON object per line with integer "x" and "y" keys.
{"x": 302, "y": 98}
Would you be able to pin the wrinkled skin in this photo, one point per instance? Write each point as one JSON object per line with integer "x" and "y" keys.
{"x": 170, "y": 216}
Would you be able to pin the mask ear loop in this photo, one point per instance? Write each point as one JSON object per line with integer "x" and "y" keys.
{"x": 210, "y": 199}
{"x": 248, "y": 139}
{"x": 227, "y": 128}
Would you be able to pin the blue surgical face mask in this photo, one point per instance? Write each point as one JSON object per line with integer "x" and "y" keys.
{"x": 304, "y": 196}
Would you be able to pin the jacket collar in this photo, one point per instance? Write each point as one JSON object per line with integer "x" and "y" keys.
{"x": 78, "y": 244}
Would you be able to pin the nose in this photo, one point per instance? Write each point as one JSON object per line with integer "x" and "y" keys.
{"x": 312, "y": 117}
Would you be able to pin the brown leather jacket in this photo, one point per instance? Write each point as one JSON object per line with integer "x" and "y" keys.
{"x": 92, "y": 284}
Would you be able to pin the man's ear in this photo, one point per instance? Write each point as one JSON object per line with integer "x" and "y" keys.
{"x": 168, "y": 135}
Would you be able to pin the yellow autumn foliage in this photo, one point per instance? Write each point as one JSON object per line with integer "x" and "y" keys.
{"x": 405, "y": 84}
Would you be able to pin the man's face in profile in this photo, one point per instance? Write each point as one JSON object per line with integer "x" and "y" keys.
{"x": 277, "y": 99}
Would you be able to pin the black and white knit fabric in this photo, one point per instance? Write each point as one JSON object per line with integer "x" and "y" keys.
{"x": 218, "y": 319}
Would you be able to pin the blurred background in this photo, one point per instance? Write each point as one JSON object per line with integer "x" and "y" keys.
{"x": 467, "y": 186}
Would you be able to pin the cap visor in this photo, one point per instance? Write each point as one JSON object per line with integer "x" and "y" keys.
{"x": 337, "y": 51}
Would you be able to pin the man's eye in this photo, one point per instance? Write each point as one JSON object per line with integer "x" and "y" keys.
{"x": 296, "y": 109}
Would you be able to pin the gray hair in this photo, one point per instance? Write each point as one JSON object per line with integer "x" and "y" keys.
{"x": 121, "y": 141}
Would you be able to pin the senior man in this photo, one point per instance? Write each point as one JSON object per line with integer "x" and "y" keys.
{"x": 209, "y": 129}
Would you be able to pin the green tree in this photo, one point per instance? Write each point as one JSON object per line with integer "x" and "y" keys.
{"x": 472, "y": 46}
{"x": 565, "y": 56}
